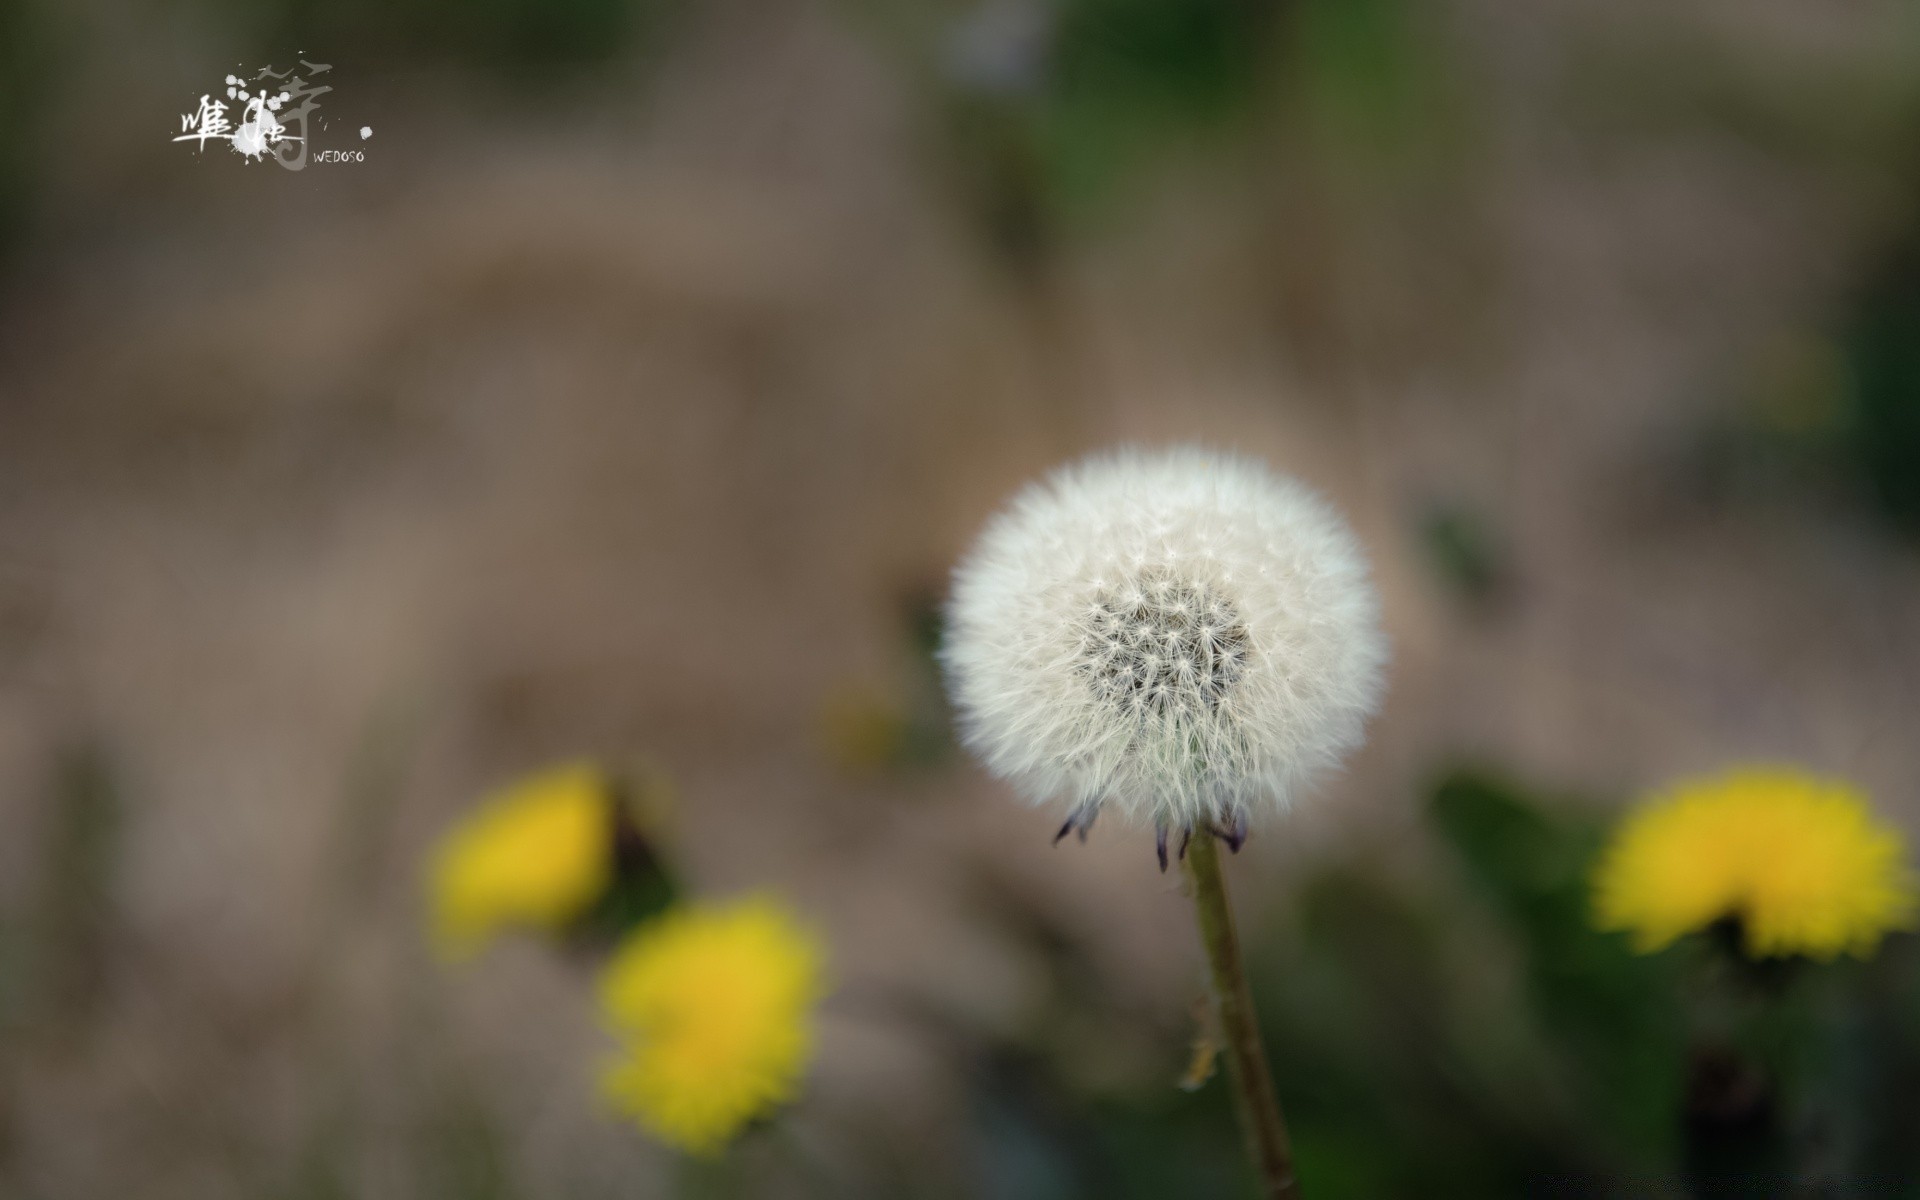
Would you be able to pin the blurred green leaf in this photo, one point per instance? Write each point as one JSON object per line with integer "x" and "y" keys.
{"x": 76, "y": 901}
{"x": 1464, "y": 553}
{"x": 1614, "y": 1014}
{"x": 1129, "y": 76}
{"x": 1376, "y": 1047}
{"x": 1049, "y": 116}
{"x": 1871, "y": 1059}
{"x": 30, "y": 55}
{"x": 644, "y": 881}
{"x": 522, "y": 41}
{"x": 1882, "y": 347}
{"x": 1170, "y": 1144}
{"x": 1359, "y": 62}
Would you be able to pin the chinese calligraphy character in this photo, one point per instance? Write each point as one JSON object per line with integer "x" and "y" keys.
{"x": 209, "y": 121}
{"x": 266, "y": 116}
{"x": 291, "y": 151}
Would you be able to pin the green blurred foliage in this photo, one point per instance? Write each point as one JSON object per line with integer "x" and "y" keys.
{"x": 1369, "y": 77}
{"x": 76, "y": 906}
{"x": 1048, "y": 114}
{"x": 929, "y": 740}
{"x": 1864, "y": 1069}
{"x": 1881, "y": 345}
{"x": 1389, "y": 1084}
{"x": 1831, "y": 411}
{"x": 1469, "y": 1034}
{"x": 1041, "y": 1127}
{"x": 1055, "y": 113}
{"x": 1466, "y": 555}
{"x": 1614, "y": 1016}
{"x": 54, "y": 950}
{"x": 30, "y": 54}
{"x": 1128, "y": 77}
{"x": 518, "y": 41}
{"x": 645, "y": 882}
{"x": 1410, "y": 1064}
{"x": 1834, "y": 408}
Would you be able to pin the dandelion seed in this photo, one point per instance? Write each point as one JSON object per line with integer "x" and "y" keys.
{"x": 1798, "y": 860}
{"x": 1184, "y": 636}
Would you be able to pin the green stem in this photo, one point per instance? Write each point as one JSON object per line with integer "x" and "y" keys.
{"x": 1258, "y": 1104}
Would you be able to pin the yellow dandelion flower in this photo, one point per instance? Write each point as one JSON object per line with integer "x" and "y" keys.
{"x": 714, "y": 1007}
{"x": 536, "y": 855}
{"x": 1799, "y": 860}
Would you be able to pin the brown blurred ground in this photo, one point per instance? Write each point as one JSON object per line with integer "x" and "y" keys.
{"x": 329, "y": 501}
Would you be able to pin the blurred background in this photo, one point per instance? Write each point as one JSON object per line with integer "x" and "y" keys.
{"x": 633, "y": 396}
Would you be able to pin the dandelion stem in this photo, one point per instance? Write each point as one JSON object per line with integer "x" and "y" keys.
{"x": 1254, "y": 1095}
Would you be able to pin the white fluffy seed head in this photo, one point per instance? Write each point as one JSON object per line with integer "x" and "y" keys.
{"x": 1184, "y": 636}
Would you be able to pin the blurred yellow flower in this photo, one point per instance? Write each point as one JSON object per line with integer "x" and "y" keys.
{"x": 714, "y": 1007}
{"x": 535, "y": 855}
{"x": 1799, "y": 860}
{"x": 862, "y": 728}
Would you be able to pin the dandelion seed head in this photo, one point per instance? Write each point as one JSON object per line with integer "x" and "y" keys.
{"x": 1180, "y": 635}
